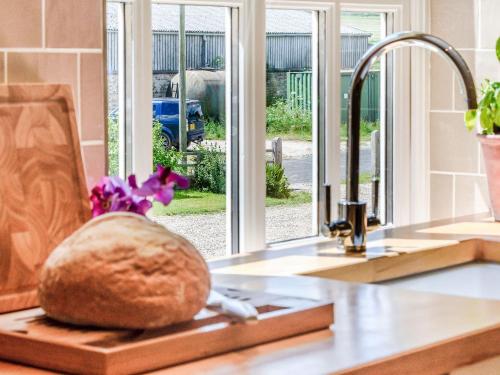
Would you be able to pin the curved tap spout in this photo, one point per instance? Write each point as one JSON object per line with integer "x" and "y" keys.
{"x": 353, "y": 222}
{"x": 393, "y": 41}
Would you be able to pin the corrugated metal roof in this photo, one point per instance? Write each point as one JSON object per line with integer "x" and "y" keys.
{"x": 369, "y": 21}
{"x": 212, "y": 19}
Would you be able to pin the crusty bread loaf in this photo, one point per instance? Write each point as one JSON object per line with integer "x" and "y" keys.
{"x": 121, "y": 270}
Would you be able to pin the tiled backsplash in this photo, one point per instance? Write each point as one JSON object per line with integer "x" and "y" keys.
{"x": 60, "y": 41}
{"x": 458, "y": 182}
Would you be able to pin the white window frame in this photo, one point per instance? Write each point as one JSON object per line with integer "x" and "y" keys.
{"x": 420, "y": 122}
{"x": 252, "y": 83}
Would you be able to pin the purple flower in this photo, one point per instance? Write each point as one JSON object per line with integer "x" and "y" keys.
{"x": 160, "y": 185}
{"x": 113, "y": 194}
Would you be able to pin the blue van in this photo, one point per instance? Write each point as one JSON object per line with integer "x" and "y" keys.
{"x": 166, "y": 111}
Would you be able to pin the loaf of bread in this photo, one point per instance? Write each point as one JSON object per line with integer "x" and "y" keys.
{"x": 121, "y": 270}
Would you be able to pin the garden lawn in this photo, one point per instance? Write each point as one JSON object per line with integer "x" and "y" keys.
{"x": 192, "y": 202}
{"x": 291, "y": 136}
{"x": 364, "y": 178}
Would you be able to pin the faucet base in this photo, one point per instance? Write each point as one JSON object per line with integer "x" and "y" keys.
{"x": 354, "y": 213}
{"x": 355, "y": 250}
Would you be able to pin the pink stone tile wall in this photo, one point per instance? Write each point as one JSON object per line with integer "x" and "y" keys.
{"x": 21, "y": 23}
{"x": 74, "y": 23}
{"x": 458, "y": 183}
{"x": 2, "y": 68}
{"x": 61, "y": 41}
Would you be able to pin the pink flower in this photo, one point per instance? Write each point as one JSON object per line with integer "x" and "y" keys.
{"x": 160, "y": 185}
{"x": 112, "y": 194}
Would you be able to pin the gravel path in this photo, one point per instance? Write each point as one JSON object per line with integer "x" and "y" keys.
{"x": 208, "y": 232}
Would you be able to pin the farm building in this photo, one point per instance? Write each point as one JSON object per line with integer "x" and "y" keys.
{"x": 288, "y": 40}
{"x": 288, "y": 46}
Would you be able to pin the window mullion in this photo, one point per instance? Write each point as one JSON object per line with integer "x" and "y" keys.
{"x": 332, "y": 107}
{"x": 142, "y": 96}
{"x": 252, "y": 125}
{"x": 232, "y": 114}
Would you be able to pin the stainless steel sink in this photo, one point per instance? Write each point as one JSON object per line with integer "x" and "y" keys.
{"x": 476, "y": 279}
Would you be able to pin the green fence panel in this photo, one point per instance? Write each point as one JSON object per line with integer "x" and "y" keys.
{"x": 370, "y": 97}
{"x": 299, "y": 94}
{"x": 299, "y": 90}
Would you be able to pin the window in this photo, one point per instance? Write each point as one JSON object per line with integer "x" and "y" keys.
{"x": 291, "y": 165}
{"x": 359, "y": 31}
{"x": 113, "y": 14}
{"x": 241, "y": 88}
{"x": 190, "y": 121}
{"x": 118, "y": 77}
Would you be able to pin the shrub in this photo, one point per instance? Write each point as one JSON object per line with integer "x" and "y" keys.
{"x": 215, "y": 130}
{"x": 277, "y": 185}
{"x": 112, "y": 147}
{"x": 163, "y": 156}
{"x": 282, "y": 119}
{"x": 210, "y": 171}
{"x": 168, "y": 158}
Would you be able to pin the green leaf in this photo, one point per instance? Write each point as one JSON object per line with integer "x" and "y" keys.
{"x": 498, "y": 49}
{"x": 486, "y": 120}
{"x": 470, "y": 119}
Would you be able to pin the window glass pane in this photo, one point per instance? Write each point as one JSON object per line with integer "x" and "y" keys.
{"x": 290, "y": 180}
{"x": 359, "y": 31}
{"x": 199, "y": 214}
{"x": 113, "y": 14}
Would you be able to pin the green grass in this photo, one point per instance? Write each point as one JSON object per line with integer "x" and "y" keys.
{"x": 112, "y": 147}
{"x": 366, "y": 130}
{"x": 191, "y": 202}
{"x": 287, "y": 126}
{"x": 291, "y": 136}
{"x": 367, "y": 21}
{"x": 295, "y": 199}
{"x": 364, "y": 178}
{"x": 215, "y": 130}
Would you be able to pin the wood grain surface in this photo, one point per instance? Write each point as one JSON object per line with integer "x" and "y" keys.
{"x": 378, "y": 329}
{"x": 30, "y": 337}
{"x": 43, "y": 196}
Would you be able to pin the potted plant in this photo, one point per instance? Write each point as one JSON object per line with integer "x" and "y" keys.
{"x": 488, "y": 112}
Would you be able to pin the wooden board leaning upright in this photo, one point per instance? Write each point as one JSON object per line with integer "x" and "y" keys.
{"x": 43, "y": 195}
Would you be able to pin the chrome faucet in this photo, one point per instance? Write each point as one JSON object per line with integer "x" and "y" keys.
{"x": 353, "y": 222}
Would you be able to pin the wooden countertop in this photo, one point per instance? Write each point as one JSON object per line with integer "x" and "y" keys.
{"x": 377, "y": 330}
{"x": 311, "y": 258}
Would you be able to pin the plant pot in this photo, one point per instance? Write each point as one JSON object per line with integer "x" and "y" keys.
{"x": 491, "y": 153}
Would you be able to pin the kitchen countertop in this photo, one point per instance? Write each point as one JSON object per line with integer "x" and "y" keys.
{"x": 310, "y": 259}
{"x": 378, "y": 329}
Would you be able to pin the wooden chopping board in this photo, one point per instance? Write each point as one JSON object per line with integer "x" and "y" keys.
{"x": 43, "y": 195}
{"x": 31, "y": 338}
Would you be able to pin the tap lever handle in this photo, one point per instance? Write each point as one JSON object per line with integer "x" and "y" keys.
{"x": 375, "y": 156}
{"x": 373, "y": 223}
{"x": 339, "y": 228}
{"x": 328, "y": 203}
{"x": 375, "y": 153}
{"x": 375, "y": 194}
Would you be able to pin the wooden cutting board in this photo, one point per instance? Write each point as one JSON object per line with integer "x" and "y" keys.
{"x": 30, "y": 337}
{"x": 43, "y": 195}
